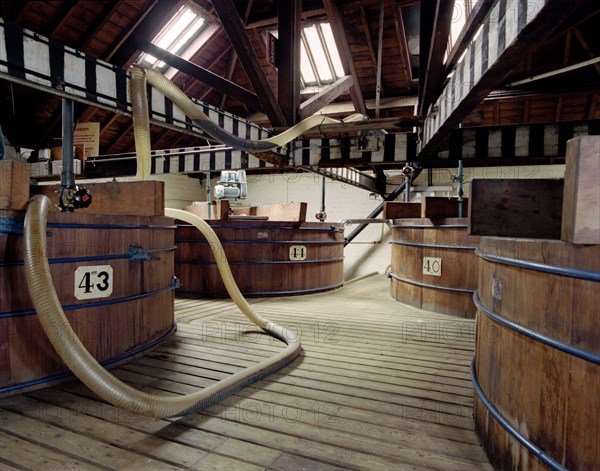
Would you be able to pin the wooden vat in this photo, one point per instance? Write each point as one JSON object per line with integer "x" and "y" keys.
{"x": 434, "y": 266}
{"x": 118, "y": 299}
{"x": 267, "y": 258}
{"x": 538, "y": 351}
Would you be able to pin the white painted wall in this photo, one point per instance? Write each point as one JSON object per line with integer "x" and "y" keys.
{"x": 370, "y": 251}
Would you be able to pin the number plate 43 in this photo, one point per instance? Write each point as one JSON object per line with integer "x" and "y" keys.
{"x": 93, "y": 282}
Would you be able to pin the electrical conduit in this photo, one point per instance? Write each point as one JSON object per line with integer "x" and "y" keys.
{"x": 91, "y": 373}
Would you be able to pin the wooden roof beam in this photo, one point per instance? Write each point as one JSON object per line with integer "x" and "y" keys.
{"x": 231, "y": 21}
{"x": 288, "y": 58}
{"x": 473, "y": 23}
{"x": 403, "y": 44}
{"x": 202, "y": 74}
{"x": 506, "y": 38}
{"x": 432, "y": 63}
{"x": 337, "y": 27}
{"x": 325, "y": 96}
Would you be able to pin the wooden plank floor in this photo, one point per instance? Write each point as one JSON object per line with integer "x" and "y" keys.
{"x": 379, "y": 386}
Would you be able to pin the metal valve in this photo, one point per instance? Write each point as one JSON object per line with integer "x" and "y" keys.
{"x": 74, "y": 197}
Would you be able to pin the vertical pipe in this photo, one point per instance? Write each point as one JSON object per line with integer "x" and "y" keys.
{"x": 2, "y": 146}
{"x": 460, "y": 188}
{"x": 208, "y": 192}
{"x": 322, "y": 194}
{"x": 407, "y": 181}
{"x": 67, "y": 179}
{"x": 379, "y": 58}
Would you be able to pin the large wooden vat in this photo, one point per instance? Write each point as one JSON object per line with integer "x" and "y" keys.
{"x": 267, "y": 258}
{"x": 434, "y": 266}
{"x": 114, "y": 278}
{"x": 538, "y": 352}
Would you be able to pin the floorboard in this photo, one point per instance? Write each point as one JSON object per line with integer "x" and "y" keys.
{"x": 378, "y": 386}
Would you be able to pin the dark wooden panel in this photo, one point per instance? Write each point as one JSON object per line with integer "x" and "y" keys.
{"x": 399, "y": 210}
{"x": 442, "y": 207}
{"x": 516, "y": 208}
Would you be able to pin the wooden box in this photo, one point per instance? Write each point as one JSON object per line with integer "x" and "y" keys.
{"x": 581, "y": 203}
{"x": 401, "y": 210}
{"x": 145, "y": 198}
{"x": 14, "y": 184}
{"x": 442, "y": 207}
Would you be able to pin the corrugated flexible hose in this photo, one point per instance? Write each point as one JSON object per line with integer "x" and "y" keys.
{"x": 91, "y": 373}
{"x": 139, "y": 77}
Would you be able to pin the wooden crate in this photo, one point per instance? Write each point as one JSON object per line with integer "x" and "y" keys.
{"x": 581, "y": 203}
{"x": 145, "y": 198}
{"x": 14, "y": 184}
{"x": 401, "y": 209}
{"x": 442, "y": 207}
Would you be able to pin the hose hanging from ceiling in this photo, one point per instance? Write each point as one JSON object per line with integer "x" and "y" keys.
{"x": 91, "y": 373}
{"x": 139, "y": 77}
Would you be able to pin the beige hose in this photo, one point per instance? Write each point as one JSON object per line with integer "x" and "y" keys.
{"x": 141, "y": 122}
{"x": 91, "y": 373}
{"x": 173, "y": 93}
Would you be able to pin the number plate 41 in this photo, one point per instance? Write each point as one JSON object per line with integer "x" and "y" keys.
{"x": 93, "y": 282}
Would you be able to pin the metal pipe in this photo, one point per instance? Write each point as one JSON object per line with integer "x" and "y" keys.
{"x": 350, "y": 221}
{"x": 391, "y": 197}
{"x": 379, "y": 58}
{"x": 407, "y": 180}
{"x": 67, "y": 178}
{"x": 207, "y": 174}
{"x": 323, "y": 194}
{"x": 460, "y": 188}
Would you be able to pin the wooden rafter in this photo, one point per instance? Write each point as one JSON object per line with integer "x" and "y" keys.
{"x": 469, "y": 29}
{"x": 325, "y": 96}
{"x": 586, "y": 47}
{"x": 288, "y": 59}
{"x": 231, "y": 21}
{"x": 529, "y": 32}
{"x": 337, "y": 27}
{"x": 433, "y": 66}
{"x": 146, "y": 28}
{"x": 233, "y": 57}
{"x": 402, "y": 44}
{"x": 230, "y": 68}
{"x": 202, "y": 74}
{"x": 365, "y": 24}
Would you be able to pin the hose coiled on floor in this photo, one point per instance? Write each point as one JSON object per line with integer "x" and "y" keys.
{"x": 91, "y": 373}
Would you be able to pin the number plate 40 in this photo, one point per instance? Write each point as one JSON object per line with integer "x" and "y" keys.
{"x": 432, "y": 266}
{"x": 93, "y": 282}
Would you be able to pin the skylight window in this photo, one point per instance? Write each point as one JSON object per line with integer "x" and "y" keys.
{"x": 320, "y": 62}
{"x": 460, "y": 15}
{"x": 176, "y": 36}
